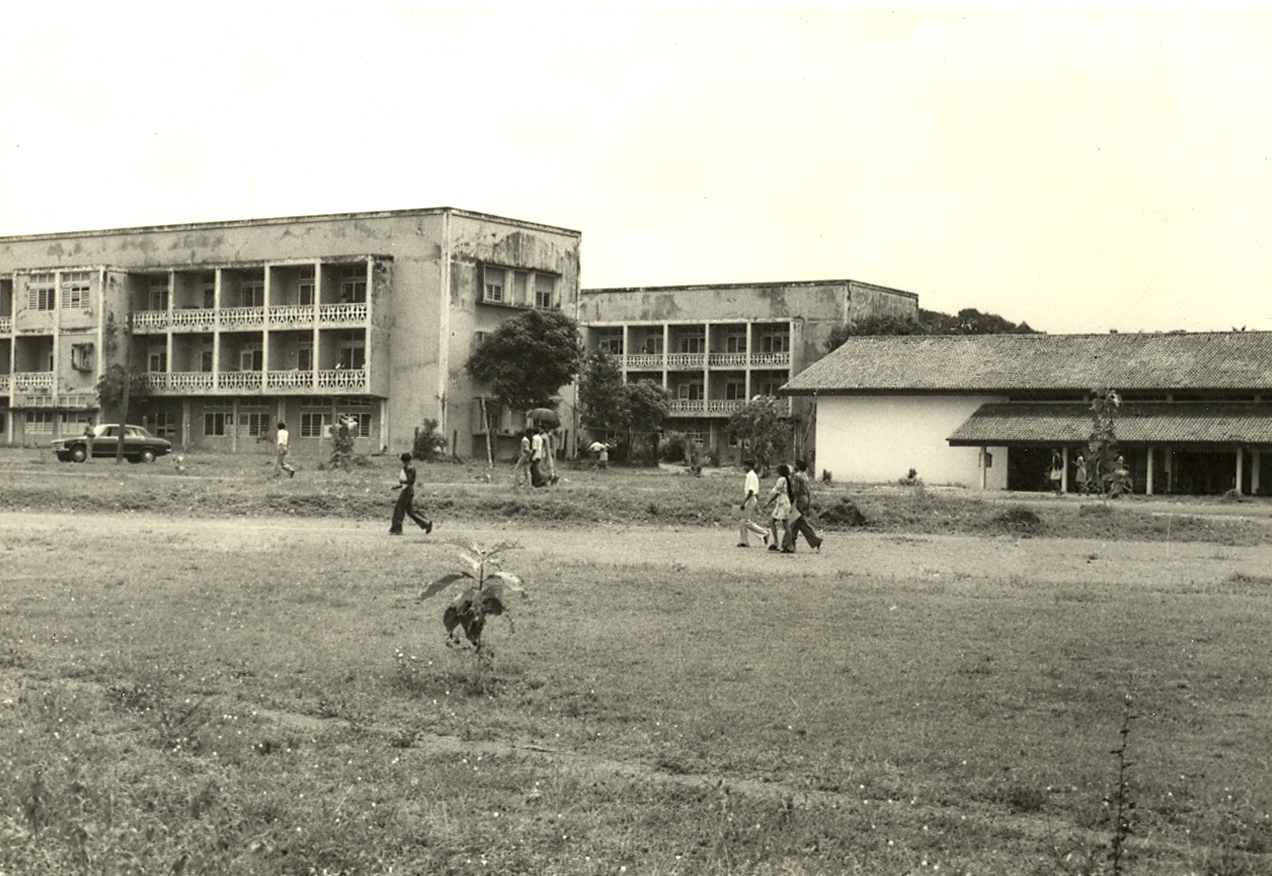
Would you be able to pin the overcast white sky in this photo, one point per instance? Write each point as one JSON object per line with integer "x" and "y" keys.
{"x": 1082, "y": 169}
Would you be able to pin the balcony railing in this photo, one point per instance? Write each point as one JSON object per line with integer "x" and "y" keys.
{"x": 645, "y": 361}
{"x": 340, "y": 314}
{"x": 6, "y": 325}
{"x": 734, "y": 360}
{"x": 724, "y": 406}
{"x": 32, "y": 381}
{"x": 291, "y": 316}
{"x": 242, "y": 317}
{"x": 716, "y": 407}
{"x": 5, "y": 382}
{"x": 686, "y": 360}
{"x": 191, "y": 317}
{"x": 768, "y": 360}
{"x": 230, "y": 382}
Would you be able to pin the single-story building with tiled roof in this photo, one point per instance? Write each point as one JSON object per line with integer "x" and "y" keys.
{"x": 990, "y": 411}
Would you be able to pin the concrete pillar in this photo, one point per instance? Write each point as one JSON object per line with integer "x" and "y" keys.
{"x": 1148, "y": 476}
{"x": 1064, "y": 470}
{"x": 1240, "y": 465}
{"x": 984, "y": 468}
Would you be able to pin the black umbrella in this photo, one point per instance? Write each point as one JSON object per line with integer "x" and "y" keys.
{"x": 544, "y": 415}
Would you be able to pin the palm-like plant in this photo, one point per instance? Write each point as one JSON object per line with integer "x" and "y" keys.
{"x": 483, "y": 589}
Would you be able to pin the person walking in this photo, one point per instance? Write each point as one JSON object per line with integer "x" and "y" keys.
{"x": 750, "y": 502}
{"x": 780, "y": 499}
{"x": 549, "y": 457}
{"x": 404, "y": 508}
{"x": 521, "y": 469}
{"x": 802, "y": 499}
{"x": 1056, "y": 474}
{"x": 280, "y": 451}
{"x": 601, "y": 450}
{"x": 536, "y": 457}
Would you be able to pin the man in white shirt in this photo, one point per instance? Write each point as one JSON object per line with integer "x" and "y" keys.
{"x": 536, "y": 459}
{"x": 280, "y": 452}
{"x": 750, "y": 502}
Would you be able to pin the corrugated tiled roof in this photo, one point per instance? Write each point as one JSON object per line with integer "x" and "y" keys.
{"x": 1158, "y": 423}
{"x": 962, "y": 363}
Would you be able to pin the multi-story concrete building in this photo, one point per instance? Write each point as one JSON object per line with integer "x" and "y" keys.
{"x": 241, "y": 324}
{"x": 714, "y": 347}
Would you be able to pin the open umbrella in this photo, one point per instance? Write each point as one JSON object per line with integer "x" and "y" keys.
{"x": 546, "y": 416}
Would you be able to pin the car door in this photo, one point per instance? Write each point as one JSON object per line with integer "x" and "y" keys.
{"x": 105, "y": 443}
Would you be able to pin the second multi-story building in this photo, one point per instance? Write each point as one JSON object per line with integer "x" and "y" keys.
{"x": 715, "y": 347}
{"x": 239, "y": 325}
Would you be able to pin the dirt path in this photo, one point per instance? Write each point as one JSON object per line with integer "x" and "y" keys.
{"x": 953, "y": 558}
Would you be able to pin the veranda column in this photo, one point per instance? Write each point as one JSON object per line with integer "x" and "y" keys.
{"x": 984, "y": 466}
{"x": 1240, "y": 462}
{"x": 1148, "y": 478}
{"x": 1064, "y": 471}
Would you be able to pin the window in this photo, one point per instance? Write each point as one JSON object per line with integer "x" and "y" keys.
{"x": 775, "y": 342}
{"x": 520, "y": 283}
{"x": 75, "y": 290}
{"x": 611, "y": 341}
{"x": 364, "y": 423}
{"x": 493, "y": 285}
{"x": 157, "y": 360}
{"x": 82, "y": 357}
{"x": 735, "y": 390}
{"x": 653, "y": 345}
{"x": 352, "y": 356}
{"x": 208, "y": 281}
{"x": 695, "y": 436}
{"x": 166, "y": 424}
{"x": 695, "y": 342}
{"x": 205, "y": 361}
{"x": 313, "y": 423}
{"x": 735, "y": 342}
{"x": 353, "y": 284}
{"x": 544, "y": 291}
{"x": 39, "y": 422}
{"x": 251, "y": 360}
{"x": 691, "y": 391}
{"x": 252, "y": 292}
{"x": 769, "y": 387}
{"x": 158, "y": 293}
{"x": 305, "y": 358}
{"x": 306, "y": 288}
{"x": 256, "y": 424}
{"x": 40, "y": 292}
{"x": 214, "y": 423}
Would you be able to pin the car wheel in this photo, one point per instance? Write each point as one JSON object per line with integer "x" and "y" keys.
{"x": 146, "y": 455}
{"x": 79, "y": 453}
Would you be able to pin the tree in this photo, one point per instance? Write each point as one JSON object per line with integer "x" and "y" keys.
{"x": 968, "y": 321}
{"x": 528, "y": 358}
{"x": 644, "y": 406}
{"x": 763, "y": 429}
{"x": 602, "y": 402}
{"x": 115, "y": 385}
{"x": 1106, "y": 472}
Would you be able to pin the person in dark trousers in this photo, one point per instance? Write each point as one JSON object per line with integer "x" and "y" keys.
{"x": 403, "y": 509}
{"x": 802, "y": 491}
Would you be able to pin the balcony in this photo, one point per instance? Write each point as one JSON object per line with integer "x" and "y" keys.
{"x": 5, "y": 382}
{"x": 342, "y": 314}
{"x": 179, "y": 383}
{"x": 291, "y": 317}
{"x": 6, "y": 325}
{"x": 644, "y": 362}
{"x": 695, "y": 361}
{"x": 239, "y": 318}
{"x": 33, "y": 381}
{"x": 716, "y": 407}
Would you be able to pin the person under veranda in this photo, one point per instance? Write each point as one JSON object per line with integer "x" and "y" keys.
{"x": 403, "y": 508}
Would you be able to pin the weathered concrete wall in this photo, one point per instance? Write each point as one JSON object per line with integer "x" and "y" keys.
{"x": 878, "y": 439}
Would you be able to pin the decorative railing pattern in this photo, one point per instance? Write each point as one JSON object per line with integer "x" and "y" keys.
{"x": 180, "y": 381}
{"x": 243, "y": 380}
{"x": 329, "y": 314}
{"x": 289, "y": 380}
{"x": 342, "y": 378}
{"x": 6, "y": 325}
{"x": 769, "y": 359}
{"x": 4, "y": 383}
{"x": 193, "y": 317}
{"x": 32, "y": 381}
{"x": 686, "y": 360}
{"x": 732, "y": 359}
{"x": 242, "y": 317}
{"x": 291, "y": 316}
{"x": 144, "y": 320}
{"x": 724, "y": 406}
{"x": 645, "y": 361}
{"x": 682, "y": 407}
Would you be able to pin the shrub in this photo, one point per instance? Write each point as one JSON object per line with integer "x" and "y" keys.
{"x": 671, "y": 447}
{"x": 843, "y": 513}
{"x": 429, "y": 444}
{"x": 1019, "y": 520}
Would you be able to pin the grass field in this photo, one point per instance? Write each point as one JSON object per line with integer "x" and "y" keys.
{"x": 244, "y": 682}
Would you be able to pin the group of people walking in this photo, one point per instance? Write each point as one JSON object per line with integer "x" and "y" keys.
{"x": 790, "y": 501}
{"x": 536, "y": 462}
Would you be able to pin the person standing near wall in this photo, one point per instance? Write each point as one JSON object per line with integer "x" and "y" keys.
{"x": 280, "y": 451}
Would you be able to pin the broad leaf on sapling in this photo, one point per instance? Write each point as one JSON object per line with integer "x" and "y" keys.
{"x": 482, "y": 591}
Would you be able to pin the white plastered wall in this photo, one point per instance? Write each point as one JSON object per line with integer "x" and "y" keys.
{"x": 879, "y": 438}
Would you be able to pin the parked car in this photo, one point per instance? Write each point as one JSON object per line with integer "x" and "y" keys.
{"x": 139, "y": 445}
